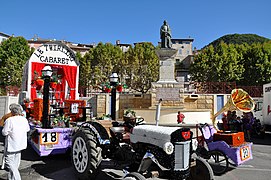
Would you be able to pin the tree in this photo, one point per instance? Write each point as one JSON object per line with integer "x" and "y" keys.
{"x": 14, "y": 52}
{"x": 217, "y": 64}
{"x": 105, "y": 60}
{"x": 239, "y": 39}
{"x": 143, "y": 67}
{"x": 85, "y": 73}
{"x": 257, "y": 63}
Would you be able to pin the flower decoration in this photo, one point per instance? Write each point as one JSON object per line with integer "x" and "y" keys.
{"x": 61, "y": 121}
{"x": 107, "y": 88}
{"x": 53, "y": 85}
{"x": 119, "y": 88}
{"x": 37, "y": 80}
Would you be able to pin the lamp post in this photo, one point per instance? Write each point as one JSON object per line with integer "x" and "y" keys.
{"x": 46, "y": 74}
{"x": 113, "y": 82}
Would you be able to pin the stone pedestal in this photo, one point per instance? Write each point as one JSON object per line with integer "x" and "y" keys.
{"x": 167, "y": 88}
{"x": 170, "y": 93}
{"x": 167, "y": 65}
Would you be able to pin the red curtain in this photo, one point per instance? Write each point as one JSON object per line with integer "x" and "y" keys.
{"x": 35, "y": 67}
{"x": 70, "y": 75}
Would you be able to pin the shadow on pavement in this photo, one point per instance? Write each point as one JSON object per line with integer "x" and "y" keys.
{"x": 60, "y": 167}
{"x": 262, "y": 141}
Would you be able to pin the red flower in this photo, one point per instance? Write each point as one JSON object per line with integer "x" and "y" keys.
{"x": 119, "y": 88}
{"x": 40, "y": 82}
{"x": 53, "y": 85}
{"x": 107, "y": 90}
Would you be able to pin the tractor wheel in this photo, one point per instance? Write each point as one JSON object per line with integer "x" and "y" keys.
{"x": 201, "y": 171}
{"x": 134, "y": 176}
{"x": 86, "y": 155}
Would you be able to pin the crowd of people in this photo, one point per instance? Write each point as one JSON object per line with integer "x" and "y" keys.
{"x": 234, "y": 123}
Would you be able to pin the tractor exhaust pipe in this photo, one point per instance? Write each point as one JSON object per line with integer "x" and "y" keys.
{"x": 158, "y": 109}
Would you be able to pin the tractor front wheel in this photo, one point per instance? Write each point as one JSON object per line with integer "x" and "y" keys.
{"x": 86, "y": 154}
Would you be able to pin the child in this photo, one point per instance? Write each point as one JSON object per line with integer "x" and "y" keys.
{"x": 180, "y": 117}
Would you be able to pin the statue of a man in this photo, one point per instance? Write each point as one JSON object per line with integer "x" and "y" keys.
{"x": 165, "y": 35}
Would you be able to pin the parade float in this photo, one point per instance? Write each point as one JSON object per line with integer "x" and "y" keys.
{"x": 49, "y": 91}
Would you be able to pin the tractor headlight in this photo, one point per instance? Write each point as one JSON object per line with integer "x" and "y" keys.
{"x": 168, "y": 148}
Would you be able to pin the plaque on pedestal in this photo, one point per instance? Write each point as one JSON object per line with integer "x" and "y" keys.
{"x": 167, "y": 65}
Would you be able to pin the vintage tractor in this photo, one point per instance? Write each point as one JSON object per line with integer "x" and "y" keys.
{"x": 147, "y": 148}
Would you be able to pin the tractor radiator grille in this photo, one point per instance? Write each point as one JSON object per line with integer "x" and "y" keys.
{"x": 182, "y": 155}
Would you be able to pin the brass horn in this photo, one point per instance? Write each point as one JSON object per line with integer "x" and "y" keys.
{"x": 239, "y": 100}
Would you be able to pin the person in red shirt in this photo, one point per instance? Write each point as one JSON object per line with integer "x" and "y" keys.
{"x": 180, "y": 117}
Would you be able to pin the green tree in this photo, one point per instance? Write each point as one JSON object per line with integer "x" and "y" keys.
{"x": 257, "y": 63}
{"x": 14, "y": 52}
{"x": 85, "y": 73}
{"x": 217, "y": 64}
{"x": 143, "y": 67}
{"x": 239, "y": 39}
{"x": 105, "y": 60}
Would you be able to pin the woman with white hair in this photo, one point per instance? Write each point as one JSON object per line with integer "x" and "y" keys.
{"x": 15, "y": 129}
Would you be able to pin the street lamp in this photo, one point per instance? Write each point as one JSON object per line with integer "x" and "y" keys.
{"x": 46, "y": 74}
{"x": 113, "y": 82}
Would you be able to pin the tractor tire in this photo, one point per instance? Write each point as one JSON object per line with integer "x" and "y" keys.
{"x": 134, "y": 176}
{"x": 201, "y": 171}
{"x": 86, "y": 154}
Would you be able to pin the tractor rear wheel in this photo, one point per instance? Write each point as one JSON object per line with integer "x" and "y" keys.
{"x": 86, "y": 154}
{"x": 201, "y": 170}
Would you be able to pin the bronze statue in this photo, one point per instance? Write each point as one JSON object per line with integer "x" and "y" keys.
{"x": 165, "y": 35}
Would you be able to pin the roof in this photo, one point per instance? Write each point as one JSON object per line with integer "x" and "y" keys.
{"x": 4, "y": 35}
{"x": 185, "y": 39}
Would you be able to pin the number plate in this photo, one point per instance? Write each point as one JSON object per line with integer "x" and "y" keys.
{"x": 49, "y": 138}
{"x": 245, "y": 153}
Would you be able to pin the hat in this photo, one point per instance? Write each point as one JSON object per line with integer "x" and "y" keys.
{"x": 16, "y": 109}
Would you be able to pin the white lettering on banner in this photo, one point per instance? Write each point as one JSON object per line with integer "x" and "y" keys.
{"x": 46, "y": 58}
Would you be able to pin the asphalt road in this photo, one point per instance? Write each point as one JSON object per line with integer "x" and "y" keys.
{"x": 59, "y": 167}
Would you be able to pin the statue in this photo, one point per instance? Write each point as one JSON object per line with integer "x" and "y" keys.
{"x": 165, "y": 35}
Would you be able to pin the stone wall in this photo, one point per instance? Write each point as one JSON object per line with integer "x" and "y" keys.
{"x": 133, "y": 101}
{"x": 149, "y": 101}
{"x": 198, "y": 102}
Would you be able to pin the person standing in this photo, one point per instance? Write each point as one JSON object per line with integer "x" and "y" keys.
{"x": 15, "y": 129}
{"x": 180, "y": 118}
{"x": 2, "y": 121}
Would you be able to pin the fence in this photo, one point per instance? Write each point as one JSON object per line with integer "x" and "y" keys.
{"x": 226, "y": 88}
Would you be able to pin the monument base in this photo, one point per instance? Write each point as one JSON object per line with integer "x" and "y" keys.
{"x": 171, "y": 94}
{"x": 167, "y": 65}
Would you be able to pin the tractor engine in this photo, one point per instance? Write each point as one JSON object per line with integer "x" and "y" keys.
{"x": 167, "y": 147}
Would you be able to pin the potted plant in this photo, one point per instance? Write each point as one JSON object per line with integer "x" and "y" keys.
{"x": 129, "y": 117}
{"x": 54, "y": 81}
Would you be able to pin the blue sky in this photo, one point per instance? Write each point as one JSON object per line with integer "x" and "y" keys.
{"x": 131, "y": 21}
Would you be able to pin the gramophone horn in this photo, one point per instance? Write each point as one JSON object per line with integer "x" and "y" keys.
{"x": 239, "y": 100}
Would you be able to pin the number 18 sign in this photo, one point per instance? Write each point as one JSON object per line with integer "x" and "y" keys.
{"x": 49, "y": 138}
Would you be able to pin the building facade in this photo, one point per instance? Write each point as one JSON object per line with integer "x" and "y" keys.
{"x": 3, "y": 37}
